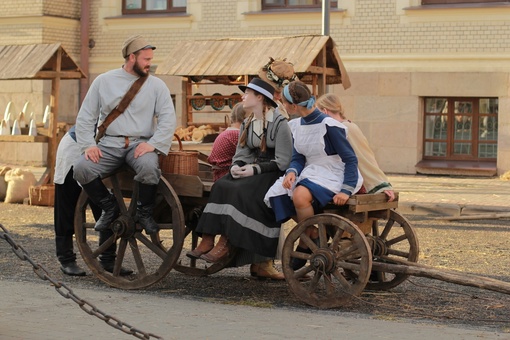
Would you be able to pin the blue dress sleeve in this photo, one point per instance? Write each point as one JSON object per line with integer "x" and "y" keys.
{"x": 337, "y": 143}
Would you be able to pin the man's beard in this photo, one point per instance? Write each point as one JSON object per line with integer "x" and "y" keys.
{"x": 139, "y": 70}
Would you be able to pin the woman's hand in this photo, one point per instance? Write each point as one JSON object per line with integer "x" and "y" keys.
{"x": 390, "y": 194}
{"x": 340, "y": 198}
{"x": 289, "y": 180}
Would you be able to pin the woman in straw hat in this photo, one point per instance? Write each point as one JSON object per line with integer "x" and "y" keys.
{"x": 236, "y": 208}
{"x": 278, "y": 73}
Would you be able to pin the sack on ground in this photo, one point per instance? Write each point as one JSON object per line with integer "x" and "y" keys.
{"x": 3, "y": 183}
{"x": 18, "y": 185}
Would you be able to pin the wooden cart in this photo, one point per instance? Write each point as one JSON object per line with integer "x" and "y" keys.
{"x": 365, "y": 244}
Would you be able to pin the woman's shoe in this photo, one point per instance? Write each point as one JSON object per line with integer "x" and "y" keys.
{"x": 254, "y": 268}
{"x": 220, "y": 251}
{"x": 204, "y": 247}
{"x": 266, "y": 270}
{"x": 296, "y": 263}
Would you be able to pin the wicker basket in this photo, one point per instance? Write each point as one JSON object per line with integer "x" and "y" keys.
{"x": 42, "y": 195}
{"x": 180, "y": 162}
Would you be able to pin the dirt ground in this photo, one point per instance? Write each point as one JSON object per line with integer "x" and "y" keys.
{"x": 476, "y": 247}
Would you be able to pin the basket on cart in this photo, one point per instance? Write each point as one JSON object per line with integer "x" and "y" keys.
{"x": 180, "y": 162}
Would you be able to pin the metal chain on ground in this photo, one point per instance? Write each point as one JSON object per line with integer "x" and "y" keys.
{"x": 66, "y": 292}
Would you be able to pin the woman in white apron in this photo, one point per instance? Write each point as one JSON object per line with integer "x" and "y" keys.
{"x": 324, "y": 167}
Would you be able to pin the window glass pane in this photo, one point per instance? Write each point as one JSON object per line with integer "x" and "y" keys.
{"x": 488, "y": 105}
{"x": 133, "y": 4}
{"x": 462, "y": 149}
{"x": 436, "y": 105}
{"x": 487, "y": 150}
{"x": 156, "y": 5}
{"x": 436, "y": 127}
{"x": 300, "y": 2}
{"x": 275, "y": 2}
{"x": 437, "y": 149}
{"x": 179, "y": 3}
{"x": 463, "y": 107}
{"x": 462, "y": 128}
{"x": 488, "y": 128}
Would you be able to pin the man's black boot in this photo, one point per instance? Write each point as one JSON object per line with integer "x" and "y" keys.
{"x": 107, "y": 258}
{"x": 145, "y": 207}
{"x": 101, "y": 197}
{"x": 72, "y": 269}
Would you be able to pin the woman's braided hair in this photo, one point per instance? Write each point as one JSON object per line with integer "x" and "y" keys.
{"x": 299, "y": 92}
{"x": 242, "y": 140}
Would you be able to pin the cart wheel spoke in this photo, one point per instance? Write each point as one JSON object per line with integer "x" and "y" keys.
{"x": 346, "y": 285}
{"x": 138, "y": 257}
{"x": 106, "y": 244}
{"x": 120, "y": 257}
{"x": 152, "y": 246}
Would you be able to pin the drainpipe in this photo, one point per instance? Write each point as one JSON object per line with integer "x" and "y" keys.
{"x": 84, "y": 51}
{"x": 325, "y": 17}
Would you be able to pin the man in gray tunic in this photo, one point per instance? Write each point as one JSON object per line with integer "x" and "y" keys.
{"x": 135, "y": 137}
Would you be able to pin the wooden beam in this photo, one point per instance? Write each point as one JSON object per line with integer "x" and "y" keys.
{"x": 322, "y": 62}
{"x": 62, "y": 75}
{"x": 24, "y": 138}
{"x": 55, "y": 91}
{"x": 323, "y": 70}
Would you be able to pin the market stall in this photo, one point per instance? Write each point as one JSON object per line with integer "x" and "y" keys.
{"x": 235, "y": 61}
{"x": 39, "y": 62}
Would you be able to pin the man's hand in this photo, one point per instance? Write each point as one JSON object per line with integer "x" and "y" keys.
{"x": 143, "y": 148}
{"x": 93, "y": 154}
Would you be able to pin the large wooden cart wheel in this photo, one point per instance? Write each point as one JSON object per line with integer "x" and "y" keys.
{"x": 336, "y": 270}
{"x": 392, "y": 239}
{"x": 151, "y": 257}
{"x": 197, "y": 267}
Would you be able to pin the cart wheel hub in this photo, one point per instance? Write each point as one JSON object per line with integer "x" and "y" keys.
{"x": 124, "y": 226}
{"x": 323, "y": 260}
{"x": 379, "y": 247}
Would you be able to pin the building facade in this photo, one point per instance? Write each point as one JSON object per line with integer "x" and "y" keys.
{"x": 430, "y": 78}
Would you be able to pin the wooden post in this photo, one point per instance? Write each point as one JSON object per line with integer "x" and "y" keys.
{"x": 55, "y": 90}
{"x": 322, "y": 63}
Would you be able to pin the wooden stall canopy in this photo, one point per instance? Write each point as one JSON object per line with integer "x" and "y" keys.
{"x": 40, "y": 61}
{"x": 37, "y": 61}
{"x": 315, "y": 58}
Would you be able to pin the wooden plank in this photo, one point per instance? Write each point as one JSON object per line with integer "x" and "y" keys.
{"x": 185, "y": 185}
{"x": 23, "y": 138}
{"x": 373, "y": 206}
{"x": 369, "y": 198}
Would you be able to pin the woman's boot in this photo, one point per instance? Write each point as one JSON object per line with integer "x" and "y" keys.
{"x": 266, "y": 270}
{"x": 219, "y": 252}
{"x": 203, "y": 247}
